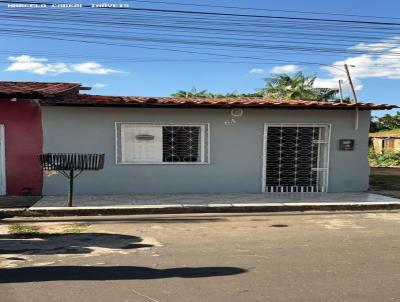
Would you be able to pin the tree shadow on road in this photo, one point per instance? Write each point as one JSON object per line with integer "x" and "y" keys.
{"x": 81, "y": 243}
{"x": 96, "y": 273}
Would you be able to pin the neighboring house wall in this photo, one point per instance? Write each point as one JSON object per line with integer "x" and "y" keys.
{"x": 389, "y": 144}
{"x": 235, "y": 150}
{"x": 23, "y": 143}
{"x": 377, "y": 144}
{"x": 396, "y": 145}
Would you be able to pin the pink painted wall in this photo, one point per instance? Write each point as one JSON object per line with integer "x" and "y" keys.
{"x": 23, "y": 143}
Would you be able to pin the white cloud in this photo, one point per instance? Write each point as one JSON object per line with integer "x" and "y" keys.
{"x": 372, "y": 47}
{"x": 380, "y": 61}
{"x": 333, "y": 83}
{"x": 256, "y": 71}
{"x": 92, "y": 68}
{"x": 99, "y": 85}
{"x": 35, "y": 65}
{"x": 385, "y": 44}
{"x": 369, "y": 66}
{"x": 42, "y": 66}
{"x": 358, "y": 87}
{"x": 285, "y": 69}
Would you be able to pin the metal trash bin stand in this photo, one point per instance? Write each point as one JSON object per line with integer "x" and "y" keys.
{"x": 68, "y": 163}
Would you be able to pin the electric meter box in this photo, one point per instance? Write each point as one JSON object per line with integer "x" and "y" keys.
{"x": 346, "y": 144}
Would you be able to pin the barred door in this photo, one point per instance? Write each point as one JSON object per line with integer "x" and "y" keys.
{"x": 296, "y": 157}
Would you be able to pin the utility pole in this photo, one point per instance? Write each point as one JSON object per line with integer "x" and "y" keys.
{"x": 351, "y": 82}
{"x": 341, "y": 91}
{"x": 354, "y": 96}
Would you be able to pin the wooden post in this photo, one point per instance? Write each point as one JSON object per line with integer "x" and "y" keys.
{"x": 351, "y": 83}
{"x": 71, "y": 187}
{"x": 354, "y": 96}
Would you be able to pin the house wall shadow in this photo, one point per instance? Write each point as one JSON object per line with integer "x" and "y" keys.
{"x": 96, "y": 273}
{"x": 80, "y": 243}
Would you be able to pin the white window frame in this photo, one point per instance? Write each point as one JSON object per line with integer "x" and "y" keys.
{"x": 205, "y": 143}
{"x": 2, "y": 161}
{"x": 328, "y": 126}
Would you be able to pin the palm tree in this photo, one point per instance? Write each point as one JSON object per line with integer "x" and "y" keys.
{"x": 193, "y": 93}
{"x": 298, "y": 86}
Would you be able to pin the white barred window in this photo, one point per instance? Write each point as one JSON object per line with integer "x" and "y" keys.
{"x": 162, "y": 143}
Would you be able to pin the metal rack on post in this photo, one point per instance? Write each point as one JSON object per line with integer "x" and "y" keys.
{"x": 68, "y": 163}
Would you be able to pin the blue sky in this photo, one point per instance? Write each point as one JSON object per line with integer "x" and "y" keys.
{"x": 110, "y": 70}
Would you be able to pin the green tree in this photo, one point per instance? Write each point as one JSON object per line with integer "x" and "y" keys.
{"x": 282, "y": 86}
{"x": 386, "y": 122}
{"x": 298, "y": 86}
{"x": 193, "y": 93}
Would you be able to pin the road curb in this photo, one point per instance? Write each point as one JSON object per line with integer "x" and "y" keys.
{"x": 195, "y": 209}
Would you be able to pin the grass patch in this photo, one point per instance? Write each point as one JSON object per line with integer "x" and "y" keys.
{"x": 385, "y": 132}
{"x": 76, "y": 228}
{"x": 24, "y": 231}
{"x": 32, "y": 231}
{"x": 384, "y": 182}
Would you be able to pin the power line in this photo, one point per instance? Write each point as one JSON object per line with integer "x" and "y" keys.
{"x": 174, "y": 50}
{"x": 208, "y": 21}
{"x": 191, "y": 12}
{"x": 263, "y": 9}
{"x": 291, "y": 46}
{"x": 286, "y": 61}
{"x": 179, "y": 28}
{"x": 199, "y": 38}
{"x": 276, "y": 41}
{"x": 165, "y": 40}
{"x": 181, "y": 20}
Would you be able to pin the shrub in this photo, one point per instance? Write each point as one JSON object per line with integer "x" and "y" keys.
{"x": 387, "y": 159}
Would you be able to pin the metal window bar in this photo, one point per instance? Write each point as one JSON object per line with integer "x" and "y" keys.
{"x": 203, "y": 156}
{"x": 182, "y": 144}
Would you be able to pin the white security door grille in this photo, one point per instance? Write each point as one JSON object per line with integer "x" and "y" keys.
{"x": 296, "y": 157}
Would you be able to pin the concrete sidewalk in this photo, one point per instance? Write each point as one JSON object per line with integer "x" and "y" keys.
{"x": 207, "y": 203}
{"x": 18, "y": 201}
{"x": 212, "y": 199}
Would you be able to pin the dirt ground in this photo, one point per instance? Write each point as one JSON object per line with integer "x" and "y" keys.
{"x": 385, "y": 181}
{"x": 169, "y": 258}
{"x": 385, "y": 171}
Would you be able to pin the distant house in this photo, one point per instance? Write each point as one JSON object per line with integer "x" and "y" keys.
{"x": 385, "y": 141}
{"x": 156, "y": 145}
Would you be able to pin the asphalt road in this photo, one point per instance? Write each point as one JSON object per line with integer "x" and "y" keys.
{"x": 265, "y": 257}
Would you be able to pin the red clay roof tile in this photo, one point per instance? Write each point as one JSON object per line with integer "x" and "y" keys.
{"x": 86, "y": 99}
{"x": 36, "y": 88}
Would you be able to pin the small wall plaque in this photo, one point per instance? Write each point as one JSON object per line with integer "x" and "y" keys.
{"x": 346, "y": 144}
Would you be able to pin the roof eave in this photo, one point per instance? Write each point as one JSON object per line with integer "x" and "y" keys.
{"x": 214, "y": 106}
